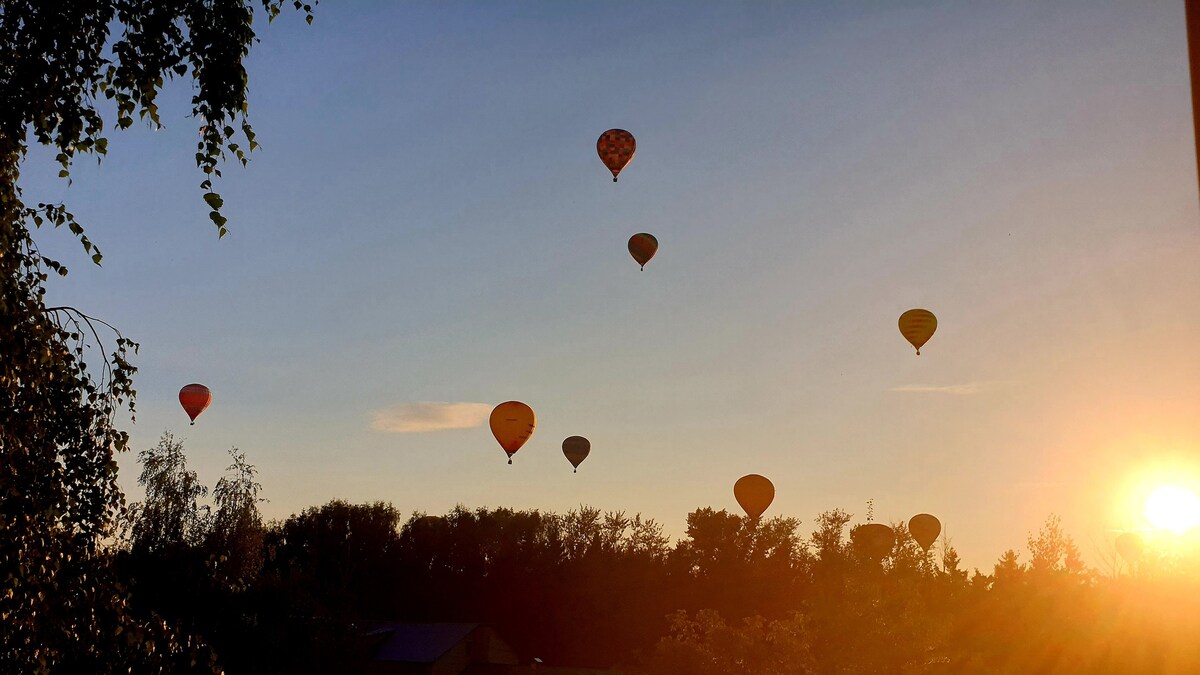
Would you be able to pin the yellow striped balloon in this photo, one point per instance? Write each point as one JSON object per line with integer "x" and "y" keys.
{"x": 917, "y": 326}
{"x": 512, "y": 424}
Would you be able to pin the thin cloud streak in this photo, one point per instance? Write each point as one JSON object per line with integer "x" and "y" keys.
{"x": 953, "y": 389}
{"x": 1037, "y": 484}
{"x": 417, "y": 418}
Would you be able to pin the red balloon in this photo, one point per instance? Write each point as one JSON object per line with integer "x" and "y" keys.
{"x": 616, "y": 147}
{"x": 194, "y": 398}
{"x": 643, "y": 246}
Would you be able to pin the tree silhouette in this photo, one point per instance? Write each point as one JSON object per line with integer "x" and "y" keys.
{"x": 58, "y": 491}
{"x": 172, "y": 516}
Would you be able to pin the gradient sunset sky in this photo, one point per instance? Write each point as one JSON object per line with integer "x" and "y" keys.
{"x": 427, "y": 221}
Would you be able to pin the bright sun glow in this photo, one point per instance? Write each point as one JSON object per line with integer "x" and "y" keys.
{"x": 1173, "y": 508}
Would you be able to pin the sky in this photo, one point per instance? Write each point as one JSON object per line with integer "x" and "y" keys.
{"x": 427, "y": 221}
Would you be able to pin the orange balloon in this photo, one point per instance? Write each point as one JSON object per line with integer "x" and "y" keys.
{"x": 917, "y": 326}
{"x": 754, "y": 493}
{"x": 616, "y": 148}
{"x": 873, "y": 540}
{"x": 194, "y": 398}
{"x": 925, "y": 529}
{"x": 512, "y": 424}
{"x": 642, "y": 247}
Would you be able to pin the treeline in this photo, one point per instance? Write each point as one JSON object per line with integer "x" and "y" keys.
{"x": 587, "y": 588}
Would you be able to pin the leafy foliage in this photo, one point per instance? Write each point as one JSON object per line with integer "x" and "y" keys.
{"x": 235, "y": 536}
{"x": 1052, "y": 550}
{"x": 589, "y": 588}
{"x": 66, "y": 61}
{"x": 706, "y": 645}
{"x": 171, "y": 516}
{"x": 65, "y": 64}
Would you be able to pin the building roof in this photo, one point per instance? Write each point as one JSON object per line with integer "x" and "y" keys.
{"x": 418, "y": 642}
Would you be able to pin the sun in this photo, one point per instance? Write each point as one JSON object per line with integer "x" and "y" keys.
{"x": 1171, "y": 507}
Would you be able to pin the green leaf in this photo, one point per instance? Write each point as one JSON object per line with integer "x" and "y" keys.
{"x": 213, "y": 200}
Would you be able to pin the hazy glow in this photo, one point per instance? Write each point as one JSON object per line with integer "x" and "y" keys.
{"x": 1173, "y": 508}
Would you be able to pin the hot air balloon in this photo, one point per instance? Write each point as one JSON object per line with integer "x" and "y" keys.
{"x": 616, "y": 148}
{"x": 873, "y": 540}
{"x": 576, "y": 449}
{"x": 754, "y": 493}
{"x": 428, "y": 521}
{"x": 917, "y": 326}
{"x": 194, "y": 398}
{"x": 512, "y": 424}
{"x": 1130, "y": 545}
{"x": 925, "y": 529}
{"x": 642, "y": 247}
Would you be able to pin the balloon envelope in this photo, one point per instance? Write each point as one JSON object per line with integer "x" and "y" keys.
{"x": 642, "y": 247}
{"x": 194, "y": 398}
{"x": 917, "y": 326}
{"x": 576, "y": 449}
{"x": 512, "y": 424}
{"x": 925, "y": 529}
{"x": 874, "y": 540}
{"x": 754, "y": 493}
{"x": 1130, "y": 545}
{"x": 616, "y": 148}
{"x": 428, "y": 521}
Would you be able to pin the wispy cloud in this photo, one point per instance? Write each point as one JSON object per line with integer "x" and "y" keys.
{"x": 415, "y": 418}
{"x": 954, "y": 389}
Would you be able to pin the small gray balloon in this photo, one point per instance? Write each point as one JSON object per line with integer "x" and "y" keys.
{"x": 576, "y": 449}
